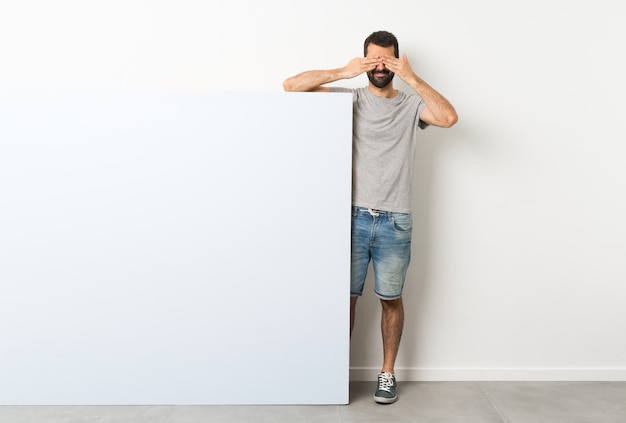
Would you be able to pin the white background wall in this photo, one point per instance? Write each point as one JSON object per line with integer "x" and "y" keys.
{"x": 519, "y": 232}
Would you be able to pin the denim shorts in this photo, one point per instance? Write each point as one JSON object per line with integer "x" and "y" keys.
{"x": 384, "y": 238}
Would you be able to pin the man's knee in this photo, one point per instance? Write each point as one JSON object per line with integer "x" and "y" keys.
{"x": 392, "y": 304}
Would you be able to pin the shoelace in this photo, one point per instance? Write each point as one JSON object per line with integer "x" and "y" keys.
{"x": 385, "y": 382}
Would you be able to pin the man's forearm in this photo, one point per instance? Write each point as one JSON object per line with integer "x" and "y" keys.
{"x": 443, "y": 112}
{"x": 312, "y": 80}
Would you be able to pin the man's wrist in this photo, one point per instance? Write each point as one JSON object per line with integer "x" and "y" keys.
{"x": 344, "y": 73}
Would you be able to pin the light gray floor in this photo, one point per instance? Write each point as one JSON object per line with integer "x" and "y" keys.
{"x": 527, "y": 402}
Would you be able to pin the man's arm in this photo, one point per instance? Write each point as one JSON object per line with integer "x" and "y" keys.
{"x": 439, "y": 111}
{"x": 315, "y": 79}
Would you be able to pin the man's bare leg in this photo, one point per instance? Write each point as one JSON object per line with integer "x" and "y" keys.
{"x": 352, "y": 312}
{"x": 392, "y": 322}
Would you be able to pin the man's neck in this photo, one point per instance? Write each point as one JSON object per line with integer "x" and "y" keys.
{"x": 385, "y": 92}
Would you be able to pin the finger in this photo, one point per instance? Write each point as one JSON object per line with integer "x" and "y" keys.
{"x": 370, "y": 64}
{"x": 392, "y": 61}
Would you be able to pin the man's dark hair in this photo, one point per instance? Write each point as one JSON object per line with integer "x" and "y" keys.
{"x": 382, "y": 39}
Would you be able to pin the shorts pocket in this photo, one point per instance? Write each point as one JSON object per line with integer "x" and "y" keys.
{"x": 402, "y": 222}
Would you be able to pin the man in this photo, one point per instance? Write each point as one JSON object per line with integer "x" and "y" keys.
{"x": 385, "y": 128}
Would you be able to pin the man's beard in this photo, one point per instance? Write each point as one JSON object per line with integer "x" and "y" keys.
{"x": 378, "y": 82}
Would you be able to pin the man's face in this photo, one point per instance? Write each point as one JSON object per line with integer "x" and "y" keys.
{"x": 380, "y": 77}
